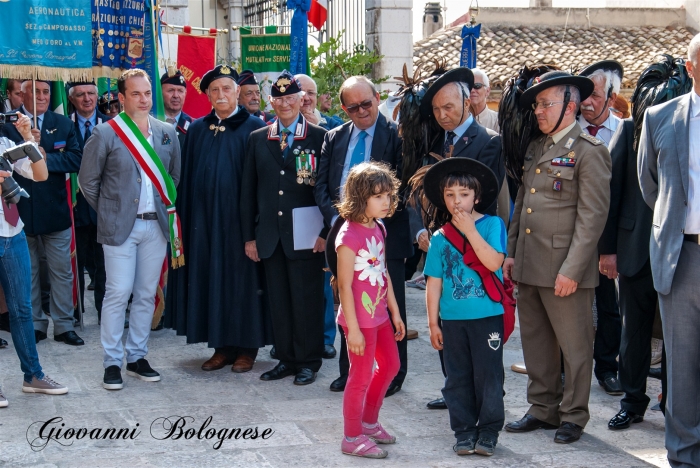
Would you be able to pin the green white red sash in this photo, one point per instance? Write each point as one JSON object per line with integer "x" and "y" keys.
{"x": 151, "y": 165}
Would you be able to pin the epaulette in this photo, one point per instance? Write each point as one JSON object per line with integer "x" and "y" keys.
{"x": 591, "y": 139}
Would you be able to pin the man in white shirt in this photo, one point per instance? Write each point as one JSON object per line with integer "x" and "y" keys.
{"x": 480, "y": 92}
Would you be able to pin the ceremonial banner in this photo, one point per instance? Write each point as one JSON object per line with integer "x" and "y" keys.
{"x": 196, "y": 55}
{"x": 47, "y": 39}
{"x": 299, "y": 35}
{"x": 267, "y": 55}
{"x": 467, "y": 57}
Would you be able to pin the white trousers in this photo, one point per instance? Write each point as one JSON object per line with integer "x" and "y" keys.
{"x": 132, "y": 268}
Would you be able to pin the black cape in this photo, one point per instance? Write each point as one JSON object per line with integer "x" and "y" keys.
{"x": 217, "y": 297}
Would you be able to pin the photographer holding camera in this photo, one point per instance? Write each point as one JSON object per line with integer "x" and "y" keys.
{"x": 15, "y": 270}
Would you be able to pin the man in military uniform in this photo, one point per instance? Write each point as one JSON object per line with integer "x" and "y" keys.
{"x": 559, "y": 216}
{"x": 249, "y": 96}
{"x": 279, "y": 175}
{"x": 174, "y": 94}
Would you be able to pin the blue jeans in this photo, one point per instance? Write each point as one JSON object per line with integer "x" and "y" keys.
{"x": 16, "y": 277}
{"x": 329, "y": 314}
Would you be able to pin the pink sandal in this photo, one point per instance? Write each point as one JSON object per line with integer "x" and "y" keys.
{"x": 362, "y": 446}
{"x": 378, "y": 434}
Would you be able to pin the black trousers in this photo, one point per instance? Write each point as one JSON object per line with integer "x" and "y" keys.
{"x": 295, "y": 289}
{"x": 89, "y": 252}
{"x": 473, "y": 351}
{"x": 412, "y": 262}
{"x": 637, "y": 307}
{"x": 396, "y": 269}
{"x": 606, "y": 346}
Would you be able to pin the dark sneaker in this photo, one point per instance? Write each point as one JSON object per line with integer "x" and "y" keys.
{"x": 485, "y": 447}
{"x": 142, "y": 370}
{"x": 465, "y": 447}
{"x": 45, "y": 385}
{"x": 113, "y": 378}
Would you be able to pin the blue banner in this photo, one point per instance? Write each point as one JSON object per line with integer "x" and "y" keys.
{"x": 46, "y": 39}
{"x": 298, "y": 56}
{"x": 120, "y": 35}
{"x": 468, "y": 56}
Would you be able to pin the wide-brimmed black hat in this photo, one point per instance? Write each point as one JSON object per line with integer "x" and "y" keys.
{"x": 331, "y": 254}
{"x": 285, "y": 85}
{"x": 556, "y": 78}
{"x": 221, "y": 71}
{"x": 440, "y": 170}
{"x": 461, "y": 74}
{"x": 177, "y": 79}
{"x": 605, "y": 65}
{"x": 247, "y": 77}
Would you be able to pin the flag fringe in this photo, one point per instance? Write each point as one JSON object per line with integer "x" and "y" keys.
{"x": 177, "y": 262}
{"x": 26, "y": 72}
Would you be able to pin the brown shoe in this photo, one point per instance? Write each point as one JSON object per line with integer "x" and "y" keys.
{"x": 243, "y": 364}
{"x": 216, "y": 362}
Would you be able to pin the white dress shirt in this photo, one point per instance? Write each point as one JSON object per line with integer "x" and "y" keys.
{"x": 606, "y": 133}
{"x": 692, "y": 217}
{"x": 22, "y": 167}
{"x": 146, "y": 201}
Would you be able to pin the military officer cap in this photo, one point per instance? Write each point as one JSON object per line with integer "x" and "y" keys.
{"x": 73, "y": 84}
{"x": 177, "y": 79}
{"x": 247, "y": 77}
{"x": 457, "y": 75}
{"x": 605, "y": 65}
{"x": 285, "y": 85}
{"x": 556, "y": 78}
{"x": 221, "y": 71}
{"x": 109, "y": 97}
{"x": 438, "y": 171}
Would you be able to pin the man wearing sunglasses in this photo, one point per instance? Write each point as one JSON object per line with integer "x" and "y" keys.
{"x": 479, "y": 94}
{"x": 367, "y": 137}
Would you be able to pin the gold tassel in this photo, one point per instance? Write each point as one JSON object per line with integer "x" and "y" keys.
{"x": 177, "y": 262}
{"x": 100, "y": 48}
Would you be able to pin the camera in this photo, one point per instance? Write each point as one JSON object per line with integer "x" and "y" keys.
{"x": 10, "y": 117}
{"x": 11, "y": 191}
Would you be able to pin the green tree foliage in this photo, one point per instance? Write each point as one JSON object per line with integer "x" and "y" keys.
{"x": 331, "y": 65}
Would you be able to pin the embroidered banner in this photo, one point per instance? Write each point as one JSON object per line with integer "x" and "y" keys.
{"x": 47, "y": 39}
{"x": 196, "y": 55}
{"x": 467, "y": 57}
{"x": 267, "y": 55}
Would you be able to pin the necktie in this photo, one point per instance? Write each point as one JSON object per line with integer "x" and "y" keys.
{"x": 449, "y": 141}
{"x": 87, "y": 133}
{"x": 548, "y": 143}
{"x": 283, "y": 139}
{"x": 593, "y": 129}
{"x": 11, "y": 213}
{"x": 358, "y": 154}
{"x": 172, "y": 121}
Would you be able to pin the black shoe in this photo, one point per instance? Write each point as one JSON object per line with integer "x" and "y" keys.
{"x": 654, "y": 372}
{"x": 338, "y": 385}
{"x": 305, "y": 376}
{"x": 485, "y": 447}
{"x": 113, "y": 378}
{"x": 528, "y": 423}
{"x": 611, "y": 385}
{"x": 437, "y": 404}
{"x": 5, "y": 322}
{"x": 3, "y": 343}
{"x": 280, "y": 371}
{"x": 69, "y": 337}
{"x": 273, "y": 353}
{"x": 465, "y": 447}
{"x": 393, "y": 388}
{"x": 141, "y": 369}
{"x": 567, "y": 433}
{"x": 39, "y": 335}
{"x": 328, "y": 352}
{"x": 91, "y": 286}
{"x": 623, "y": 419}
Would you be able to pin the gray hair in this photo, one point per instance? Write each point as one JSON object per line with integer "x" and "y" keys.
{"x": 575, "y": 94}
{"x": 464, "y": 88}
{"x": 302, "y": 75}
{"x": 611, "y": 79}
{"x": 352, "y": 81}
{"x": 693, "y": 49}
{"x": 483, "y": 75}
{"x": 72, "y": 88}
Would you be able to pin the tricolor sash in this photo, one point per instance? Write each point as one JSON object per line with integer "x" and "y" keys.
{"x": 151, "y": 165}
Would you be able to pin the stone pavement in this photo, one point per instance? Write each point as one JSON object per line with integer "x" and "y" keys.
{"x": 307, "y": 421}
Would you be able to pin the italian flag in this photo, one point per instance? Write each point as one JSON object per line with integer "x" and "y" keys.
{"x": 318, "y": 13}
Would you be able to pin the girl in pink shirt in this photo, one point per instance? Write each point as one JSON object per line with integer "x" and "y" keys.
{"x": 366, "y": 303}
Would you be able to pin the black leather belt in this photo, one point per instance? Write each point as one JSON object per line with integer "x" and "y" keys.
{"x": 691, "y": 238}
{"x": 147, "y": 216}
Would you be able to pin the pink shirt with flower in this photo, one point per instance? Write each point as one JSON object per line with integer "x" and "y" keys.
{"x": 369, "y": 284}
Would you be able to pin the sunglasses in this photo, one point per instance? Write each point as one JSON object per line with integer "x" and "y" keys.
{"x": 356, "y": 107}
{"x": 478, "y": 85}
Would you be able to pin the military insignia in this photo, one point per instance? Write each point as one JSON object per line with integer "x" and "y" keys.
{"x": 556, "y": 186}
{"x": 177, "y": 242}
{"x": 225, "y": 70}
{"x": 494, "y": 341}
{"x": 166, "y": 139}
{"x": 571, "y": 154}
{"x": 49, "y": 132}
{"x": 591, "y": 139}
{"x": 182, "y": 79}
{"x": 59, "y": 145}
{"x": 567, "y": 162}
{"x": 568, "y": 144}
{"x": 296, "y": 151}
{"x": 187, "y": 125}
{"x": 466, "y": 139}
{"x": 282, "y": 84}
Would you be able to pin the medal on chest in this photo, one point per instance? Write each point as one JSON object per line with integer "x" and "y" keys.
{"x": 306, "y": 166}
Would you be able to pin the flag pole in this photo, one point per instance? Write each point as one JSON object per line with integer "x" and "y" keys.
{"x": 34, "y": 99}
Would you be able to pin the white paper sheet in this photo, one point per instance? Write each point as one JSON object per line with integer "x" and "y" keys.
{"x": 308, "y": 222}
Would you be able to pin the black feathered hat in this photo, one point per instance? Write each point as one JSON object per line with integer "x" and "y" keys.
{"x": 457, "y": 75}
{"x": 605, "y": 65}
{"x": 556, "y": 78}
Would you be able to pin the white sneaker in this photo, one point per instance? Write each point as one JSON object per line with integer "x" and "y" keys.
{"x": 657, "y": 347}
{"x": 46, "y": 385}
{"x": 3, "y": 400}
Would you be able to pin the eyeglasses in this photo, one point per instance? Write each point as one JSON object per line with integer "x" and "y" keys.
{"x": 478, "y": 85}
{"x": 285, "y": 99}
{"x": 356, "y": 107}
{"x": 545, "y": 105}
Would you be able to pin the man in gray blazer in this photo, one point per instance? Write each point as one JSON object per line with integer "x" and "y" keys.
{"x": 669, "y": 176}
{"x": 132, "y": 222}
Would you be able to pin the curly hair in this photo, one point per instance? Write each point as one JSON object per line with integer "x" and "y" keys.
{"x": 365, "y": 180}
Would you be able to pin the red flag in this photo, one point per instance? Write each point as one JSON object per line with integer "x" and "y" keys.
{"x": 195, "y": 56}
{"x": 318, "y": 13}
